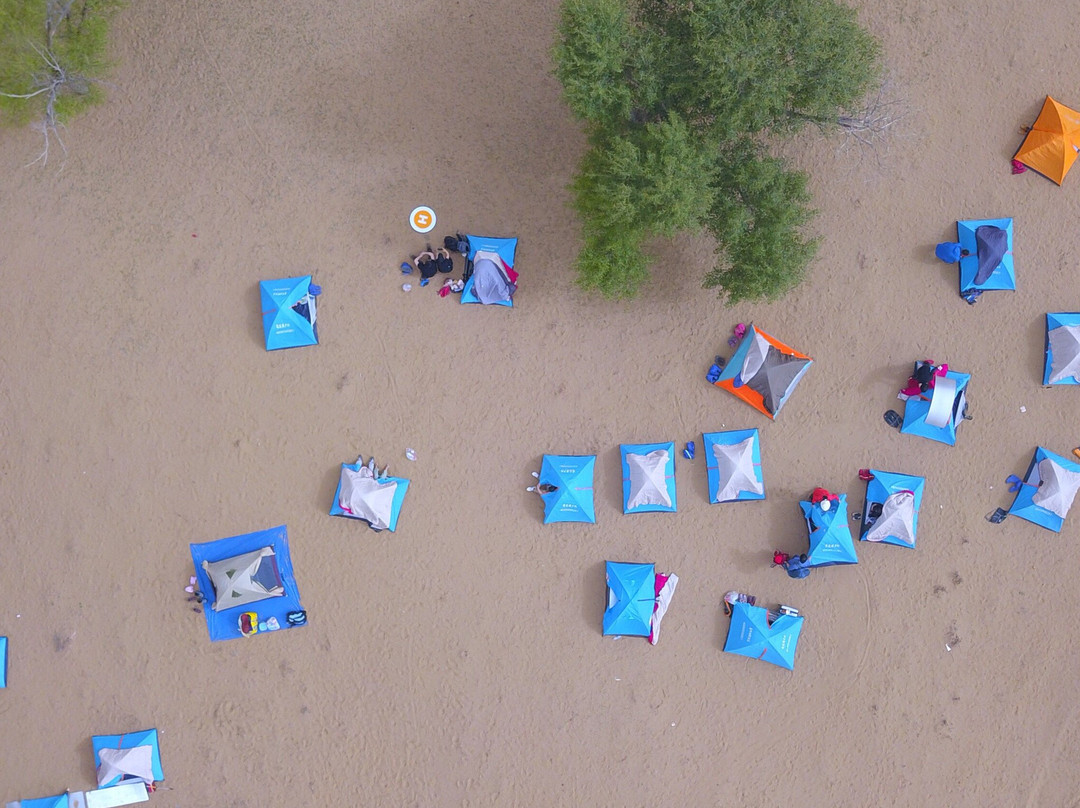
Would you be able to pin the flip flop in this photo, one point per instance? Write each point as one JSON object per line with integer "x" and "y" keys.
{"x": 1014, "y": 483}
{"x": 893, "y": 419}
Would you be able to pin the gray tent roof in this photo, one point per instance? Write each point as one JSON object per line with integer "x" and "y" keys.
{"x": 775, "y": 376}
{"x": 244, "y": 579}
{"x": 735, "y": 467}
{"x": 648, "y": 479}
{"x": 1057, "y": 487}
{"x": 134, "y": 762}
{"x": 897, "y": 519}
{"x": 366, "y": 497}
{"x": 991, "y": 244}
{"x": 1064, "y": 352}
{"x": 490, "y": 282}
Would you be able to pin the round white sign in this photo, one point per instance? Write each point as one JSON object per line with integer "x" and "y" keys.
{"x": 422, "y": 219}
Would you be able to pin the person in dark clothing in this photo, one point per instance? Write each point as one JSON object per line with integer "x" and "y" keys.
{"x": 427, "y": 264}
{"x": 443, "y": 260}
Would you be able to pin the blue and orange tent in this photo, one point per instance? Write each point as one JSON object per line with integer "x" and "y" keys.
{"x": 275, "y": 571}
{"x": 733, "y": 465}
{"x": 1047, "y": 491}
{"x": 830, "y": 536}
{"x": 937, "y": 413}
{"x": 648, "y": 474}
{"x": 631, "y": 597}
{"x": 1062, "y": 348}
{"x": 288, "y": 312}
{"x": 492, "y": 278}
{"x": 763, "y": 371}
{"x": 572, "y": 477}
{"x": 753, "y": 636}
{"x": 891, "y": 510}
{"x": 989, "y": 263}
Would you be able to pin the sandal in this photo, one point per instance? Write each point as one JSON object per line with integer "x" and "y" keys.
{"x": 893, "y": 419}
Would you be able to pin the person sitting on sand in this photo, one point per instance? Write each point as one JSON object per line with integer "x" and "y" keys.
{"x": 427, "y": 264}
{"x": 923, "y": 379}
{"x": 797, "y": 566}
{"x": 443, "y": 260}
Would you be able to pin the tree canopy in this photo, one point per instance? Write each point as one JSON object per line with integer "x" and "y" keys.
{"x": 678, "y": 98}
{"x": 52, "y": 54}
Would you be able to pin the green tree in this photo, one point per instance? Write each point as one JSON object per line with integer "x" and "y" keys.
{"x": 678, "y": 98}
{"x": 52, "y": 54}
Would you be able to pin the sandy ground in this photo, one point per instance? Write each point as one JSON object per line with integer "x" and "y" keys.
{"x": 460, "y": 661}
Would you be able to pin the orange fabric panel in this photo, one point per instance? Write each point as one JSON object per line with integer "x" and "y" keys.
{"x": 1049, "y": 154}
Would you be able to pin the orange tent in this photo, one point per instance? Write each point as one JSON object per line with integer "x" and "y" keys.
{"x": 763, "y": 371}
{"x": 1051, "y": 144}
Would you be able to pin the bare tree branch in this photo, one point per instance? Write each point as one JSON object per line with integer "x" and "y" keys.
{"x": 882, "y": 112}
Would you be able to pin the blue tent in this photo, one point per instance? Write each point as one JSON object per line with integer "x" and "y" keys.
{"x": 3, "y": 661}
{"x": 59, "y": 801}
{"x": 899, "y": 497}
{"x": 830, "y": 536}
{"x": 937, "y": 413}
{"x": 288, "y": 312}
{"x": 504, "y": 283}
{"x": 572, "y": 499}
{"x": 733, "y": 465}
{"x": 975, "y": 271}
{"x": 1062, "y": 348}
{"x": 631, "y": 596}
{"x": 648, "y": 473}
{"x": 224, "y": 624}
{"x": 751, "y": 635}
{"x": 129, "y": 740}
{"x": 1047, "y": 491}
{"x": 382, "y": 503}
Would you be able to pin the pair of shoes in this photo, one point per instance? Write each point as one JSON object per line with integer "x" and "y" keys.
{"x": 893, "y": 419}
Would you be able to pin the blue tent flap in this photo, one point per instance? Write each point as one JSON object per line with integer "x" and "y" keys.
{"x": 505, "y": 248}
{"x": 395, "y": 508}
{"x": 1025, "y": 506}
{"x": 572, "y": 499}
{"x": 1003, "y": 275}
{"x": 59, "y": 801}
{"x": 917, "y": 409}
{"x": 283, "y": 302}
{"x": 645, "y": 492}
{"x": 224, "y": 625}
{"x": 1068, "y": 361}
{"x": 631, "y": 596}
{"x": 731, "y": 438}
{"x": 878, "y": 490}
{"x": 753, "y": 636}
{"x": 830, "y": 536}
{"x": 129, "y": 740}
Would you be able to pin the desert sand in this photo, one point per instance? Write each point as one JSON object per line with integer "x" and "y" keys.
{"x": 459, "y": 661}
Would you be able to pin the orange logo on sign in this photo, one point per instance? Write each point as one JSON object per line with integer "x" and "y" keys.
{"x": 422, "y": 219}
